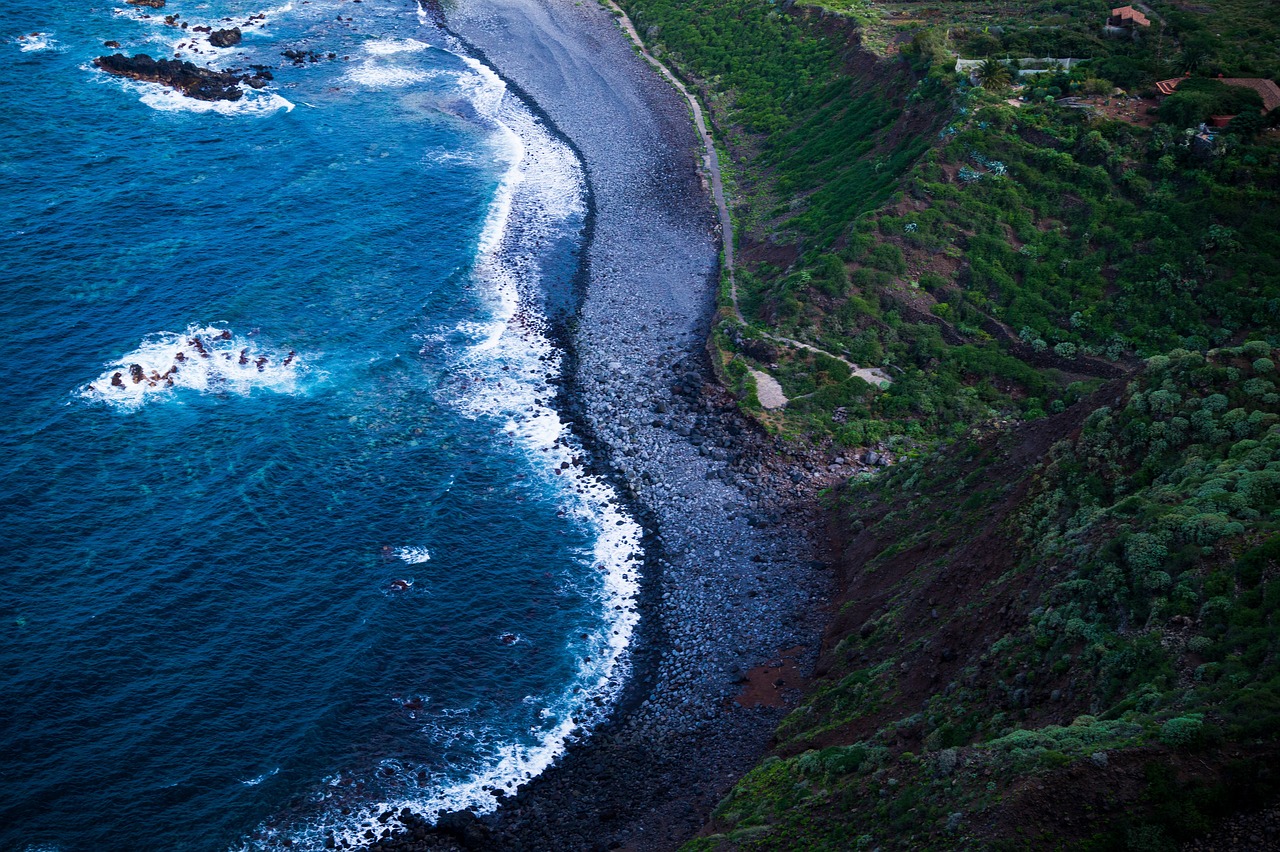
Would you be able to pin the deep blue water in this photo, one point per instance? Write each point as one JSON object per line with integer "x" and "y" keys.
{"x": 332, "y": 552}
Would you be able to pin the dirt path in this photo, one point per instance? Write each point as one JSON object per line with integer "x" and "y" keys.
{"x": 711, "y": 161}
{"x": 768, "y": 391}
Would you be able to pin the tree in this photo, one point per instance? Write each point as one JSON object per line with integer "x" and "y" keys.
{"x": 1247, "y": 124}
{"x": 994, "y": 75}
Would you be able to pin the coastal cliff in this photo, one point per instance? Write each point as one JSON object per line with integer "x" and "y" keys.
{"x": 1072, "y": 294}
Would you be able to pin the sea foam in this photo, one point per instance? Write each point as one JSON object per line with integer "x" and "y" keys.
{"x": 35, "y": 42}
{"x": 208, "y": 359}
{"x": 379, "y": 69}
{"x": 193, "y": 46}
{"x": 413, "y": 555}
{"x": 508, "y": 371}
{"x": 162, "y": 98}
{"x": 505, "y": 374}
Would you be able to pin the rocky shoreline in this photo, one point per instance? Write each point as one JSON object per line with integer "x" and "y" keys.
{"x": 734, "y": 579}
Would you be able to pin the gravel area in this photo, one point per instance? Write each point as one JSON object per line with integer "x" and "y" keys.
{"x": 731, "y": 577}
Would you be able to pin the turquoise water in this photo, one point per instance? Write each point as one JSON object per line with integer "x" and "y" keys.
{"x": 333, "y": 552}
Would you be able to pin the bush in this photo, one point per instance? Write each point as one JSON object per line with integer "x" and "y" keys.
{"x": 887, "y": 257}
{"x": 1183, "y": 731}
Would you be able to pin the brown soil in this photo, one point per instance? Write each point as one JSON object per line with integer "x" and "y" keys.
{"x": 775, "y": 684}
{"x": 1130, "y": 110}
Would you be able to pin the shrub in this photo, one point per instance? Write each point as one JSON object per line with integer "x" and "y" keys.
{"x": 1183, "y": 731}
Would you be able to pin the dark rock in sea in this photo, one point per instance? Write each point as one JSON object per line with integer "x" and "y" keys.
{"x": 225, "y": 38}
{"x": 191, "y": 80}
{"x": 113, "y": 44}
{"x": 154, "y": 4}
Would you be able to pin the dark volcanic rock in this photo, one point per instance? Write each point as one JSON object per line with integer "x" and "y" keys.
{"x": 154, "y": 4}
{"x": 191, "y": 80}
{"x": 225, "y": 38}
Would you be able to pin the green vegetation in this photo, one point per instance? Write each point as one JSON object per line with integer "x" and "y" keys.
{"x": 1074, "y": 292}
{"x": 1135, "y": 573}
{"x": 1035, "y": 241}
{"x": 777, "y": 93}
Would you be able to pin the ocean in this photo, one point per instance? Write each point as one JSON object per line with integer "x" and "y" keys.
{"x": 297, "y": 536}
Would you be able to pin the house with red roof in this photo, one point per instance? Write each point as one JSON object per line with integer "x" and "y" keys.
{"x": 1127, "y": 17}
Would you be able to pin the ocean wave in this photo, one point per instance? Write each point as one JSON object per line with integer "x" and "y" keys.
{"x": 390, "y": 46}
{"x": 506, "y": 372}
{"x": 413, "y": 555}
{"x": 207, "y": 359}
{"x": 380, "y": 70}
{"x": 34, "y": 42}
{"x": 163, "y": 98}
{"x": 255, "y": 781}
{"x": 376, "y": 75}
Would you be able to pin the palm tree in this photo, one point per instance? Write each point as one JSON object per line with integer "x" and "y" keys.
{"x": 994, "y": 75}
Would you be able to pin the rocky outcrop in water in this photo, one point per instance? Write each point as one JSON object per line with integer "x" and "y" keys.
{"x": 225, "y": 38}
{"x": 203, "y": 84}
{"x": 154, "y": 4}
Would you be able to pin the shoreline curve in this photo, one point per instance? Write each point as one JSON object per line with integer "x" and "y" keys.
{"x": 730, "y": 578}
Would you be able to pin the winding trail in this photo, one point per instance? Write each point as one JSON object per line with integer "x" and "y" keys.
{"x": 710, "y": 159}
{"x": 711, "y": 162}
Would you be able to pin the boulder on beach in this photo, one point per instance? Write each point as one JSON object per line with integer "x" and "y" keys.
{"x": 225, "y": 38}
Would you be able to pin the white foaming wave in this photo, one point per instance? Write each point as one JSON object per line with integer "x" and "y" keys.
{"x": 390, "y": 46}
{"x": 378, "y": 70}
{"x": 254, "y": 782}
{"x": 33, "y": 42}
{"x": 164, "y": 99}
{"x": 376, "y": 75}
{"x": 542, "y": 188}
{"x": 183, "y": 43}
{"x": 413, "y": 555}
{"x": 207, "y": 359}
{"x": 541, "y": 191}
{"x": 462, "y": 157}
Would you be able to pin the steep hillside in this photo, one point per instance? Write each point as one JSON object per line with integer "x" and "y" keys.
{"x": 1051, "y": 235}
{"x": 976, "y": 233}
{"x": 1060, "y": 635}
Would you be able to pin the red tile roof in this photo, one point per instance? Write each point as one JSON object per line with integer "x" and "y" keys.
{"x": 1128, "y": 14}
{"x": 1268, "y": 90}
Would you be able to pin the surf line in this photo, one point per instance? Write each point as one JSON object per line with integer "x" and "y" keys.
{"x": 543, "y": 421}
